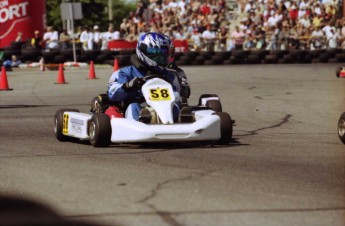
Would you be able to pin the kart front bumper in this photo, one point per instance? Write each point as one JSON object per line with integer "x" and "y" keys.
{"x": 125, "y": 130}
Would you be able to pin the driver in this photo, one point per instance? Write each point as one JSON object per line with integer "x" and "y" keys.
{"x": 152, "y": 57}
{"x": 181, "y": 75}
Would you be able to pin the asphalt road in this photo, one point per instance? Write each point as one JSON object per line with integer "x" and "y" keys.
{"x": 285, "y": 166}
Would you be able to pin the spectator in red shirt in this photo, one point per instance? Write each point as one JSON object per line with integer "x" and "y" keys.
{"x": 293, "y": 14}
{"x": 205, "y": 9}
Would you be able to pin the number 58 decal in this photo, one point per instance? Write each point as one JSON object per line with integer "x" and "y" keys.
{"x": 159, "y": 94}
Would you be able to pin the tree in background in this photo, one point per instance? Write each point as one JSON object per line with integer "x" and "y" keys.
{"x": 94, "y": 12}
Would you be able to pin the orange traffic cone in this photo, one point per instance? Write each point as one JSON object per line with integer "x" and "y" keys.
{"x": 3, "y": 80}
{"x": 92, "y": 74}
{"x": 116, "y": 64}
{"x": 61, "y": 76}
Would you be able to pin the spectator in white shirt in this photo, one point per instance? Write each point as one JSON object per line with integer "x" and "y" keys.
{"x": 90, "y": 39}
{"x": 332, "y": 39}
{"x": 97, "y": 38}
{"x": 84, "y": 38}
{"x": 301, "y": 12}
{"x": 182, "y": 4}
{"x": 316, "y": 39}
{"x": 110, "y": 35}
{"x": 303, "y": 4}
{"x": 173, "y": 4}
{"x": 51, "y": 38}
{"x": 305, "y": 21}
{"x": 209, "y": 38}
{"x": 238, "y": 38}
{"x": 196, "y": 39}
{"x": 326, "y": 29}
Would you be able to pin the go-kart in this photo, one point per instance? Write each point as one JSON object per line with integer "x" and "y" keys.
{"x": 341, "y": 127}
{"x": 106, "y": 123}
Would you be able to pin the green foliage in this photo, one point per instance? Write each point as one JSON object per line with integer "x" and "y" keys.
{"x": 94, "y": 12}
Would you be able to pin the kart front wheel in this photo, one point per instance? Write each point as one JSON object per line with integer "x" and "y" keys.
{"x": 59, "y": 123}
{"x": 341, "y": 128}
{"x": 100, "y": 130}
{"x": 225, "y": 128}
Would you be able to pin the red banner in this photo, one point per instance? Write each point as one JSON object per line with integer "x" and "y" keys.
{"x": 121, "y": 45}
{"x": 180, "y": 45}
{"x": 24, "y": 16}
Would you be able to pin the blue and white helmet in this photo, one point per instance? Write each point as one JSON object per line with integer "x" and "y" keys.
{"x": 153, "y": 49}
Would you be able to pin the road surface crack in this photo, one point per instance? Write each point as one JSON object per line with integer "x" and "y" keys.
{"x": 167, "y": 216}
{"x": 255, "y": 132}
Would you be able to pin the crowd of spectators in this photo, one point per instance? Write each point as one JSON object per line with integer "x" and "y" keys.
{"x": 260, "y": 24}
{"x": 292, "y": 24}
{"x": 209, "y": 26}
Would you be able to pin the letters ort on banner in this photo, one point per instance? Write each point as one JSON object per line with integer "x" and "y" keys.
{"x": 24, "y": 16}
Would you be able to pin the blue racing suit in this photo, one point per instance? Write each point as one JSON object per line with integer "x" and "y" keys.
{"x": 131, "y": 97}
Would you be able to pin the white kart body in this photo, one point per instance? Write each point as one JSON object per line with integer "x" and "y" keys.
{"x": 160, "y": 97}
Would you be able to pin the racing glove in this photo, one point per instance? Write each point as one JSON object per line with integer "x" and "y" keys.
{"x": 135, "y": 83}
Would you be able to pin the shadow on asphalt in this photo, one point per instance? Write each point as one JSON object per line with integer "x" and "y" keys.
{"x": 17, "y": 211}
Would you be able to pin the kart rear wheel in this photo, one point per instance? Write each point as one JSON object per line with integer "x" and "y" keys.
{"x": 58, "y": 124}
{"x": 225, "y": 128}
{"x": 205, "y": 96}
{"x": 214, "y": 105}
{"x": 341, "y": 128}
{"x": 100, "y": 130}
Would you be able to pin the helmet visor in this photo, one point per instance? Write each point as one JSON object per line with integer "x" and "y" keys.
{"x": 158, "y": 55}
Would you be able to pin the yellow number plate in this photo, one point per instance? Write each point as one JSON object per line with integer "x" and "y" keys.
{"x": 159, "y": 94}
{"x": 65, "y": 124}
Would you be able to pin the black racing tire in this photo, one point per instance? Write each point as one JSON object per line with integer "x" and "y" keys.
{"x": 183, "y": 62}
{"x": 59, "y": 59}
{"x": 217, "y": 59}
{"x": 338, "y": 71}
{"x": 227, "y": 62}
{"x": 315, "y": 61}
{"x": 333, "y": 60}
{"x": 341, "y": 128}
{"x": 100, "y": 59}
{"x": 9, "y": 52}
{"x": 191, "y": 54}
{"x": 58, "y": 125}
{"x": 186, "y": 58}
{"x": 278, "y": 53}
{"x": 324, "y": 58}
{"x": 225, "y": 128}
{"x": 223, "y": 54}
{"x": 81, "y": 58}
{"x": 271, "y": 59}
{"x": 91, "y": 55}
{"x": 205, "y": 96}
{"x": 253, "y": 59}
{"x": 209, "y": 62}
{"x": 99, "y": 130}
{"x": 214, "y": 105}
{"x": 340, "y": 57}
{"x": 207, "y": 55}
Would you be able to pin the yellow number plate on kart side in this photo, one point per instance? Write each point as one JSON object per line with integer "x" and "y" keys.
{"x": 65, "y": 124}
{"x": 159, "y": 94}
